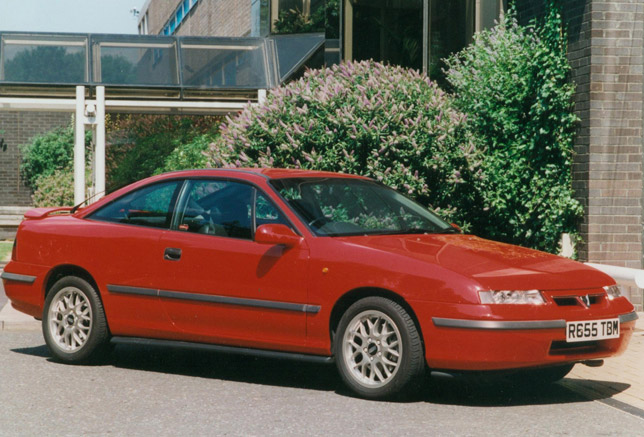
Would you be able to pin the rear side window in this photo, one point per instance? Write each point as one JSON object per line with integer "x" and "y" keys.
{"x": 150, "y": 206}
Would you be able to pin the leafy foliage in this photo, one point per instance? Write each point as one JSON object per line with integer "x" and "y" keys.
{"x": 140, "y": 144}
{"x": 188, "y": 155}
{"x": 387, "y": 122}
{"x": 48, "y": 153}
{"x": 513, "y": 84}
{"x": 56, "y": 189}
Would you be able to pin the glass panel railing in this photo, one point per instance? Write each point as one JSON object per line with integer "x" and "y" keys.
{"x": 224, "y": 63}
{"x": 43, "y": 59}
{"x": 135, "y": 61}
{"x": 160, "y": 64}
{"x": 294, "y": 50}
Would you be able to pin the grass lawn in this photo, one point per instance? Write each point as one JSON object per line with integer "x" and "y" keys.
{"x": 5, "y": 249}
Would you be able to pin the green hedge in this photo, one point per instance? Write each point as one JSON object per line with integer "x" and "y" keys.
{"x": 513, "y": 84}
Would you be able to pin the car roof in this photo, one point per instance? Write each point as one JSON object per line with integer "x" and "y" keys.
{"x": 242, "y": 173}
{"x": 268, "y": 173}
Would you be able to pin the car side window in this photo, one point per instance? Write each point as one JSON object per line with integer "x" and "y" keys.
{"x": 216, "y": 207}
{"x": 150, "y": 206}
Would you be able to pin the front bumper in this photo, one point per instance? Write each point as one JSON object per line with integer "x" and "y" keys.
{"x": 473, "y": 337}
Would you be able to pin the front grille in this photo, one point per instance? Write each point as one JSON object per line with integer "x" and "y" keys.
{"x": 563, "y": 348}
{"x": 568, "y": 301}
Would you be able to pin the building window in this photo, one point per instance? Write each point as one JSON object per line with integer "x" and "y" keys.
{"x": 388, "y": 31}
{"x": 413, "y": 33}
{"x": 297, "y": 16}
{"x": 143, "y": 25}
{"x": 178, "y": 16}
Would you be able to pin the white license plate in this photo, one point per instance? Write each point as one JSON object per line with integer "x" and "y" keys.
{"x": 592, "y": 330}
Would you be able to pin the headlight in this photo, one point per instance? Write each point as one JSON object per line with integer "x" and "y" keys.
{"x": 529, "y": 297}
{"x": 613, "y": 291}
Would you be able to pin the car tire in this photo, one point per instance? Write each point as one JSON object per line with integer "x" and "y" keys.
{"x": 543, "y": 375}
{"x": 74, "y": 324}
{"x": 378, "y": 349}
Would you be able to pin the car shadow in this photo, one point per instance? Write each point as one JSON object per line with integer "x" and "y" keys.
{"x": 481, "y": 390}
{"x": 469, "y": 389}
{"x": 36, "y": 351}
{"x": 229, "y": 367}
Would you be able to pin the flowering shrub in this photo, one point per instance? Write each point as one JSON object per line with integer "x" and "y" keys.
{"x": 386, "y": 122}
{"x": 513, "y": 84}
{"x": 56, "y": 189}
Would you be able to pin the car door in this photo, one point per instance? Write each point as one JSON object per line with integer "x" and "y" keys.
{"x": 219, "y": 284}
{"x": 123, "y": 241}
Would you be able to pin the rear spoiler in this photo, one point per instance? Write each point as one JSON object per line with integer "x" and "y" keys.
{"x": 40, "y": 213}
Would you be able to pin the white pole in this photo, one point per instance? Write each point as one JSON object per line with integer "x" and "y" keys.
{"x": 99, "y": 154}
{"x": 261, "y": 96}
{"x": 79, "y": 146}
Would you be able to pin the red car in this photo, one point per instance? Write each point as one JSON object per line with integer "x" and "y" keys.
{"x": 306, "y": 265}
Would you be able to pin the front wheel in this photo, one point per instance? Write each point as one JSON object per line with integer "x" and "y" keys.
{"x": 74, "y": 324}
{"x": 378, "y": 349}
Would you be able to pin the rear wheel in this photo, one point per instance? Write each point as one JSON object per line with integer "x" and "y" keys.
{"x": 378, "y": 349}
{"x": 74, "y": 324}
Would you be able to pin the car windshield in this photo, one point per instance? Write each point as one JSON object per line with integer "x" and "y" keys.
{"x": 343, "y": 207}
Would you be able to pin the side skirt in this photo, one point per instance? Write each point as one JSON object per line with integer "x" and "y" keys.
{"x": 225, "y": 349}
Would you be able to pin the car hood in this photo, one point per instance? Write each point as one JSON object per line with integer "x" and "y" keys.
{"x": 492, "y": 264}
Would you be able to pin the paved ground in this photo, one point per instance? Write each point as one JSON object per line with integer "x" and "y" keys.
{"x": 146, "y": 391}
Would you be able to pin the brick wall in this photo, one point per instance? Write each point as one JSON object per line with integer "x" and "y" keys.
{"x": 19, "y": 128}
{"x": 206, "y": 18}
{"x": 614, "y": 219}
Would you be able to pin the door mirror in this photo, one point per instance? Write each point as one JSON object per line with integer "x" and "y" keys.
{"x": 277, "y": 234}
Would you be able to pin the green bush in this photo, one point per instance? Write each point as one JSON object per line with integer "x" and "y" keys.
{"x": 50, "y": 152}
{"x": 512, "y": 82}
{"x": 188, "y": 155}
{"x": 141, "y": 144}
{"x": 387, "y": 122}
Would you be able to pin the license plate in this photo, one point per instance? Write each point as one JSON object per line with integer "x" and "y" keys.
{"x": 592, "y": 330}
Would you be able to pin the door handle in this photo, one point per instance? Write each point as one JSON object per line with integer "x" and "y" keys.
{"x": 172, "y": 254}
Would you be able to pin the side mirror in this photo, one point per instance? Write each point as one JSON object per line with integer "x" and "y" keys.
{"x": 277, "y": 234}
{"x": 457, "y": 227}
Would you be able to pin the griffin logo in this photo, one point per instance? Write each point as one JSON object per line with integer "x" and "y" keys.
{"x": 585, "y": 300}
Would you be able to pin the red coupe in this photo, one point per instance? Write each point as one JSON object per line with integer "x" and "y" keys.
{"x": 306, "y": 265}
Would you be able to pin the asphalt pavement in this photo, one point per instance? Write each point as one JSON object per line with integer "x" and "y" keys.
{"x": 145, "y": 390}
